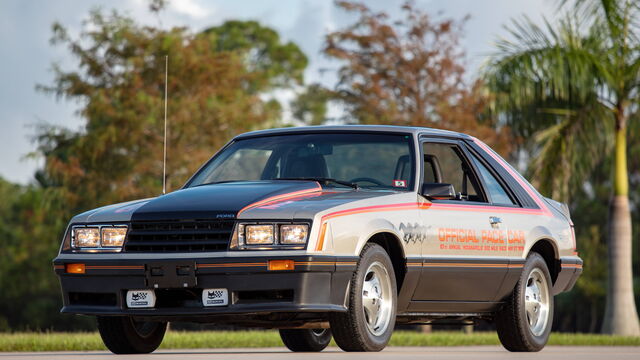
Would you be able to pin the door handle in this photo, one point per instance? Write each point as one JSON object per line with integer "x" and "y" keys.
{"x": 494, "y": 220}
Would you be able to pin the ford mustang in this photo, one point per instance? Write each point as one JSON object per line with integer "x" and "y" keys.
{"x": 321, "y": 232}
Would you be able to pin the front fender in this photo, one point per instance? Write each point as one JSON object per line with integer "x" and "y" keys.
{"x": 377, "y": 226}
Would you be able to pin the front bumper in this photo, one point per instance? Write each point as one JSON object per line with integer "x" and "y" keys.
{"x": 317, "y": 284}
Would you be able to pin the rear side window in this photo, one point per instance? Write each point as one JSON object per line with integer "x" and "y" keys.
{"x": 496, "y": 191}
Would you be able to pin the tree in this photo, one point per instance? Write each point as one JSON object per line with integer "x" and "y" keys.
{"x": 311, "y": 105}
{"x": 216, "y": 88}
{"x": 573, "y": 87}
{"x": 216, "y": 80}
{"x": 408, "y": 72}
{"x": 275, "y": 63}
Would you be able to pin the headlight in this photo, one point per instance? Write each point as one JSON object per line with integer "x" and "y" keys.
{"x": 293, "y": 234}
{"x": 113, "y": 236}
{"x": 269, "y": 236}
{"x": 258, "y": 234}
{"x": 86, "y": 237}
{"x": 98, "y": 238}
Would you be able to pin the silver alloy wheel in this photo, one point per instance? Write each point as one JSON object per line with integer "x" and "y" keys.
{"x": 536, "y": 302}
{"x": 377, "y": 298}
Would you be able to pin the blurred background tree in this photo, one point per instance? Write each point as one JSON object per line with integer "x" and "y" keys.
{"x": 409, "y": 71}
{"x": 572, "y": 88}
{"x": 217, "y": 79}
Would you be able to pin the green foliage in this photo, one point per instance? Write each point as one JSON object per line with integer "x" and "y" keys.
{"x": 566, "y": 87}
{"x": 216, "y": 84}
{"x": 310, "y": 106}
{"x": 408, "y": 71}
{"x": 275, "y": 63}
{"x": 263, "y": 339}
{"x": 570, "y": 90}
{"x": 30, "y": 231}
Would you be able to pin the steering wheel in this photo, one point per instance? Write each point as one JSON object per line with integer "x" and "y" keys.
{"x": 367, "y": 179}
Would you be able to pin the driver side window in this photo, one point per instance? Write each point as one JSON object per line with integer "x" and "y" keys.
{"x": 444, "y": 163}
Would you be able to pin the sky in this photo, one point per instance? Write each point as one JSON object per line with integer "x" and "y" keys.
{"x": 26, "y": 55}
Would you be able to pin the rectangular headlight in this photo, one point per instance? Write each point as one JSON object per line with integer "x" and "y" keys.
{"x": 113, "y": 236}
{"x": 258, "y": 234}
{"x": 294, "y": 234}
{"x": 86, "y": 237}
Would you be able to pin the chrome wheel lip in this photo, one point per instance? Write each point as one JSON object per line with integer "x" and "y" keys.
{"x": 537, "y": 302}
{"x": 318, "y": 332}
{"x": 377, "y": 298}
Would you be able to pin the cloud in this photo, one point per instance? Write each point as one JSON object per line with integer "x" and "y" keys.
{"x": 191, "y": 8}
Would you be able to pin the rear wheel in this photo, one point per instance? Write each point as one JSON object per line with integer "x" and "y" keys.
{"x": 305, "y": 340}
{"x": 524, "y": 323}
{"x": 124, "y": 335}
{"x": 368, "y": 323}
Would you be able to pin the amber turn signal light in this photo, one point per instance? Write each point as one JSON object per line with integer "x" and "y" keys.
{"x": 281, "y": 265}
{"x": 74, "y": 268}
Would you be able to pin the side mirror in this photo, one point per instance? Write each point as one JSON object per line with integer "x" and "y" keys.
{"x": 438, "y": 191}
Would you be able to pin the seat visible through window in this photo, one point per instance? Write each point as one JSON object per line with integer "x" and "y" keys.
{"x": 306, "y": 166}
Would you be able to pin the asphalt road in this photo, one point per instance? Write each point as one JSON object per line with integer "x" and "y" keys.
{"x": 395, "y": 353}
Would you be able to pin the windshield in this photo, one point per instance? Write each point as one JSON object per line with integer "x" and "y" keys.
{"x": 374, "y": 161}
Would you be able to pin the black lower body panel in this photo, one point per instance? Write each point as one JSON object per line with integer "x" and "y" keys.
{"x": 570, "y": 271}
{"x": 257, "y": 296}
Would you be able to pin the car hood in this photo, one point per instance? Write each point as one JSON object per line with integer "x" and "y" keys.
{"x": 243, "y": 200}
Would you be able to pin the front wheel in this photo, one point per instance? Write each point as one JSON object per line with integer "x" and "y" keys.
{"x": 524, "y": 323}
{"x": 124, "y": 335}
{"x": 368, "y": 323}
{"x": 305, "y": 340}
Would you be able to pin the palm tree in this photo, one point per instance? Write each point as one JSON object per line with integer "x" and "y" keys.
{"x": 573, "y": 88}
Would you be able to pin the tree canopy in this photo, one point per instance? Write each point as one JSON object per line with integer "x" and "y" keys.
{"x": 408, "y": 72}
{"x": 216, "y": 79}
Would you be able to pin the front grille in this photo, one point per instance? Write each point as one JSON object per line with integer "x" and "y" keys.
{"x": 179, "y": 236}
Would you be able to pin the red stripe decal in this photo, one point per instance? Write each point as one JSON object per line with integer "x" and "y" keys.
{"x": 282, "y": 197}
{"x": 376, "y": 208}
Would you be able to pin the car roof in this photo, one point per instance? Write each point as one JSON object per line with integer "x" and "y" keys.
{"x": 355, "y": 128}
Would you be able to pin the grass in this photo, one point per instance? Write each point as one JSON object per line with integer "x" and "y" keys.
{"x": 226, "y": 339}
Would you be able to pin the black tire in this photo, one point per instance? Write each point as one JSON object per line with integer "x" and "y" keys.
{"x": 350, "y": 329}
{"x": 305, "y": 340}
{"x": 123, "y": 335}
{"x": 512, "y": 323}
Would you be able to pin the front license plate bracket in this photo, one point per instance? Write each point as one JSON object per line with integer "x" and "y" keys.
{"x": 171, "y": 274}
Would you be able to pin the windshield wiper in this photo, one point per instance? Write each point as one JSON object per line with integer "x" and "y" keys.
{"x": 322, "y": 180}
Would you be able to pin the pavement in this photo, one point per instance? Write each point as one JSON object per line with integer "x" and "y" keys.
{"x": 395, "y": 353}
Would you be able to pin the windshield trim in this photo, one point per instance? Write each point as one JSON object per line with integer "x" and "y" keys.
{"x": 245, "y": 136}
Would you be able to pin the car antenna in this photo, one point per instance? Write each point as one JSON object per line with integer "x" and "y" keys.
{"x": 164, "y": 138}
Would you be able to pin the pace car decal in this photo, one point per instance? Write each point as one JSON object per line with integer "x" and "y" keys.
{"x": 489, "y": 240}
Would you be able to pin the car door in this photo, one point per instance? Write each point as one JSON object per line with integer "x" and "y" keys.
{"x": 463, "y": 251}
